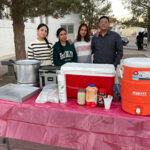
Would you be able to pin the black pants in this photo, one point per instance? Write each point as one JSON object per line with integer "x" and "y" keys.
{"x": 140, "y": 46}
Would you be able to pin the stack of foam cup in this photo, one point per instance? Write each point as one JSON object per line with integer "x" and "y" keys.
{"x": 107, "y": 102}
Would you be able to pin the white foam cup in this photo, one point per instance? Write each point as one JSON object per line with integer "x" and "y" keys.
{"x": 107, "y": 102}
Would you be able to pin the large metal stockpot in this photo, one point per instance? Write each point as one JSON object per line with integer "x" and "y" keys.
{"x": 27, "y": 71}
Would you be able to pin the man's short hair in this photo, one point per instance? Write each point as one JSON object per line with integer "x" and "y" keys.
{"x": 104, "y": 17}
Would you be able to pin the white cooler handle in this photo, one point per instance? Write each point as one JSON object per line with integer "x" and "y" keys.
{"x": 121, "y": 70}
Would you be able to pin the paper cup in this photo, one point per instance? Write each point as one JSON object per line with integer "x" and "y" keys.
{"x": 107, "y": 103}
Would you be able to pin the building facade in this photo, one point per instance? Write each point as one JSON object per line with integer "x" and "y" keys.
{"x": 69, "y": 22}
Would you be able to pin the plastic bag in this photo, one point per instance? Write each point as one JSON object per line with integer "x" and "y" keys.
{"x": 48, "y": 94}
{"x": 117, "y": 87}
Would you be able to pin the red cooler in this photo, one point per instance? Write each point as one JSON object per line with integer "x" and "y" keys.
{"x": 80, "y": 75}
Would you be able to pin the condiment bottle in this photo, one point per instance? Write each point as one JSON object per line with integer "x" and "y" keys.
{"x": 100, "y": 96}
{"x": 91, "y": 95}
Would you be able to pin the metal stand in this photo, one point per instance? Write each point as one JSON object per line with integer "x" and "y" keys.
{"x": 6, "y": 141}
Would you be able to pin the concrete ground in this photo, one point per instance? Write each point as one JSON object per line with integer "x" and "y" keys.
{"x": 25, "y": 145}
{"x": 129, "y": 51}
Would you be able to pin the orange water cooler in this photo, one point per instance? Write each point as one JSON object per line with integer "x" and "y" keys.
{"x": 135, "y": 86}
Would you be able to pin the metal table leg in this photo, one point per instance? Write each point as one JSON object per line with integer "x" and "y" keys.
{"x": 6, "y": 141}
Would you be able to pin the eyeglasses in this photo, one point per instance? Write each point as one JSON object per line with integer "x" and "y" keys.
{"x": 103, "y": 22}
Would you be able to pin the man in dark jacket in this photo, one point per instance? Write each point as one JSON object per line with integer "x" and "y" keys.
{"x": 107, "y": 47}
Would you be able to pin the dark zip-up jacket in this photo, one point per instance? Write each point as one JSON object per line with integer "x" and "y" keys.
{"x": 107, "y": 49}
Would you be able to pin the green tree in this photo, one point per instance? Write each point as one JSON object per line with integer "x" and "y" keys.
{"x": 140, "y": 10}
{"x": 91, "y": 10}
{"x": 20, "y": 10}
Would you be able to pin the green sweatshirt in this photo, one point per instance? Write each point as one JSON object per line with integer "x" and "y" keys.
{"x": 64, "y": 54}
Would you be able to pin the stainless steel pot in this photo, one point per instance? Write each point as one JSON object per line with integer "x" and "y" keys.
{"x": 27, "y": 71}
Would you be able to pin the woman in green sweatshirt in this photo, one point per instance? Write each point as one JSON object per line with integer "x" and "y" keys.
{"x": 63, "y": 52}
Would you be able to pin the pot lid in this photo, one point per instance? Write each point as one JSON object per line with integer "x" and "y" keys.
{"x": 27, "y": 62}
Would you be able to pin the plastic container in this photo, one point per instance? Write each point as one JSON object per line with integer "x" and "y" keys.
{"x": 100, "y": 97}
{"x": 81, "y": 97}
{"x": 80, "y": 75}
{"x": 61, "y": 87}
{"x": 91, "y": 95}
{"x": 135, "y": 86}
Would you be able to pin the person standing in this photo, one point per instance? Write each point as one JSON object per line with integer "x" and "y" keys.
{"x": 41, "y": 49}
{"x": 139, "y": 40}
{"x": 83, "y": 44}
{"x": 63, "y": 52}
{"x": 107, "y": 46}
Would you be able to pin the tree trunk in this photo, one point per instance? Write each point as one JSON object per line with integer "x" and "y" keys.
{"x": 18, "y": 28}
{"x": 19, "y": 39}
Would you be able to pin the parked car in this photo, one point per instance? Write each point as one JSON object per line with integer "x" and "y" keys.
{"x": 125, "y": 40}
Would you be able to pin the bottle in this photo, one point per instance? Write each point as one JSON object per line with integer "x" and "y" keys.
{"x": 91, "y": 95}
{"x": 100, "y": 97}
{"x": 61, "y": 86}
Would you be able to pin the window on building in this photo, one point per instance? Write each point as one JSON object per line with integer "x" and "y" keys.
{"x": 69, "y": 28}
{"x": 64, "y": 26}
{"x": 46, "y": 19}
{"x": 32, "y": 20}
{"x": 41, "y": 19}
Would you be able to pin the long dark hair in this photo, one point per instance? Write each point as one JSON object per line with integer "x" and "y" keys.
{"x": 57, "y": 34}
{"x": 87, "y": 36}
{"x": 44, "y": 25}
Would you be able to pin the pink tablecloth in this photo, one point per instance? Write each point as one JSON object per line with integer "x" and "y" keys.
{"x": 73, "y": 126}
